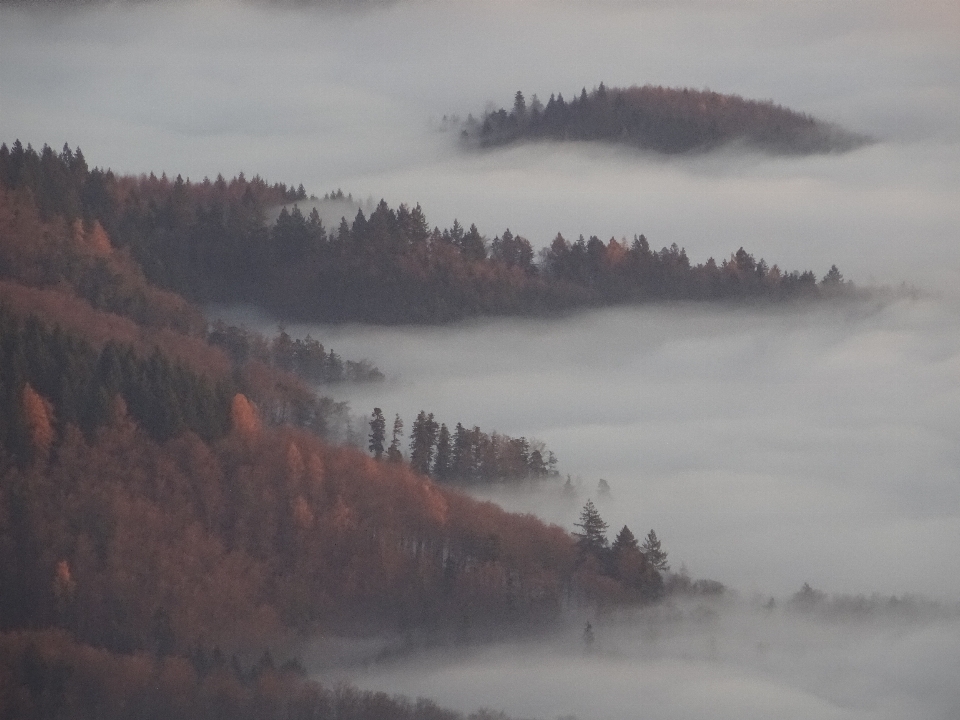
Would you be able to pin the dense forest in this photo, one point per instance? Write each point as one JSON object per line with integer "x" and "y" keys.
{"x": 664, "y": 120}
{"x": 305, "y": 357}
{"x": 174, "y": 510}
{"x": 210, "y": 241}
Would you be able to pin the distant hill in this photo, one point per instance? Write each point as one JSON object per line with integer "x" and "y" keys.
{"x": 664, "y": 120}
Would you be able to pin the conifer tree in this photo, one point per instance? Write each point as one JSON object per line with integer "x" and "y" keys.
{"x": 593, "y": 535}
{"x": 393, "y": 452}
{"x": 378, "y": 430}
{"x": 442, "y": 461}
{"x": 423, "y": 437}
{"x": 655, "y": 555}
{"x": 625, "y": 541}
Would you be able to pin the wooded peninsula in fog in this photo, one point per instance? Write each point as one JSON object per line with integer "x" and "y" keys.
{"x": 664, "y": 120}
{"x": 209, "y": 241}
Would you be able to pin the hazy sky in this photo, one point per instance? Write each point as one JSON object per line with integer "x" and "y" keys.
{"x": 767, "y": 447}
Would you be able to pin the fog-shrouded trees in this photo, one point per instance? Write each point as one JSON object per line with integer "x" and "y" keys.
{"x": 211, "y": 241}
{"x": 173, "y": 507}
{"x": 624, "y": 561}
{"x": 394, "y": 454}
{"x": 468, "y": 456}
{"x": 592, "y": 537}
{"x": 654, "y": 553}
{"x": 378, "y": 433}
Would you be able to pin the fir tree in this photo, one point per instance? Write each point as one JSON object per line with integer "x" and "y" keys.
{"x": 442, "y": 461}
{"x": 593, "y": 535}
{"x": 624, "y": 542}
{"x": 423, "y": 437}
{"x": 378, "y": 430}
{"x": 393, "y": 452}
{"x": 655, "y": 555}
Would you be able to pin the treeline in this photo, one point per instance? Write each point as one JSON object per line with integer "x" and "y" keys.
{"x": 304, "y": 357}
{"x": 464, "y": 456}
{"x": 209, "y": 241}
{"x": 666, "y": 120}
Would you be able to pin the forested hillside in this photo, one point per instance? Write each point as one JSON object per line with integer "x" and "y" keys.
{"x": 210, "y": 242}
{"x": 173, "y": 511}
{"x": 664, "y": 120}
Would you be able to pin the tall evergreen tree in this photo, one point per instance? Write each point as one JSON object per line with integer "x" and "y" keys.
{"x": 592, "y": 537}
{"x": 624, "y": 542}
{"x": 393, "y": 452}
{"x": 378, "y": 430}
{"x": 423, "y": 437}
{"x": 443, "y": 459}
{"x": 655, "y": 555}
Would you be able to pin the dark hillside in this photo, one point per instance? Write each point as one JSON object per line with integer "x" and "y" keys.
{"x": 664, "y": 120}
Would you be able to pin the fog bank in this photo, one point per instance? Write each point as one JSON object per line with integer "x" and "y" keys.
{"x": 767, "y": 447}
{"x": 703, "y": 662}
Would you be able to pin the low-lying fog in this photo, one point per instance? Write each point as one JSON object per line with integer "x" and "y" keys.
{"x": 767, "y": 447}
{"x": 701, "y": 661}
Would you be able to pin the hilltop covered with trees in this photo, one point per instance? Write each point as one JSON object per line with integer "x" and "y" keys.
{"x": 664, "y": 120}
{"x": 175, "y": 513}
{"x": 209, "y": 242}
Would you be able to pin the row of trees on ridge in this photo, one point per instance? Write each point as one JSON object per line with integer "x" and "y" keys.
{"x": 210, "y": 241}
{"x": 465, "y": 456}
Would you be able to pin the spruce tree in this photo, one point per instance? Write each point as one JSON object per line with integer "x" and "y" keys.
{"x": 378, "y": 430}
{"x": 593, "y": 535}
{"x": 442, "y": 461}
{"x": 625, "y": 541}
{"x": 655, "y": 555}
{"x": 393, "y": 452}
{"x": 423, "y": 437}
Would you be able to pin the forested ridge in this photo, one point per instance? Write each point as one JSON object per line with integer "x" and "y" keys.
{"x": 174, "y": 515}
{"x": 210, "y": 242}
{"x": 659, "y": 119}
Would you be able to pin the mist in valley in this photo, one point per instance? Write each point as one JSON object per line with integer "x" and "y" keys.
{"x": 768, "y": 446}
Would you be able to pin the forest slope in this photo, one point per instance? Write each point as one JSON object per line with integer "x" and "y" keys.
{"x": 169, "y": 514}
{"x": 210, "y": 241}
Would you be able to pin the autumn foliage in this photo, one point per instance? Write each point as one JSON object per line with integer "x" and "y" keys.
{"x": 163, "y": 507}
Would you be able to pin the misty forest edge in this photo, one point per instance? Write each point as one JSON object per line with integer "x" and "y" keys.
{"x": 172, "y": 517}
{"x": 209, "y": 242}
